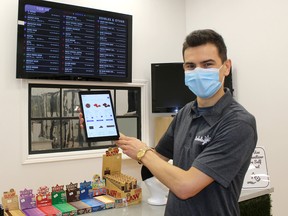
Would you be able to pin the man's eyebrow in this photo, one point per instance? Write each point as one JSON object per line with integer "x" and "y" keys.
{"x": 186, "y": 63}
{"x": 202, "y": 62}
{"x": 208, "y": 60}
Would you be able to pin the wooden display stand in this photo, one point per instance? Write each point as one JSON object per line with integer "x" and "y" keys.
{"x": 161, "y": 125}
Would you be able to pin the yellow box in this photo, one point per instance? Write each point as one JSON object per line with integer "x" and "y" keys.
{"x": 10, "y": 203}
{"x": 132, "y": 197}
{"x": 107, "y": 200}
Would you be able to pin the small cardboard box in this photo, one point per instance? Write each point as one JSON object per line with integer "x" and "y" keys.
{"x": 87, "y": 193}
{"x": 59, "y": 201}
{"x": 28, "y": 203}
{"x": 50, "y": 211}
{"x": 98, "y": 186}
{"x": 44, "y": 202}
{"x": 96, "y": 205}
{"x": 73, "y": 198}
{"x": 11, "y": 204}
{"x": 33, "y": 212}
{"x": 124, "y": 198}
{"x": 107, "y": 200}
{"x": 111, "y": 163}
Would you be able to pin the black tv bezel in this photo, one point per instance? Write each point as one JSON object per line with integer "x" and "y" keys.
{"x": 173, "y": 109}
{"x": 62, "y": 6}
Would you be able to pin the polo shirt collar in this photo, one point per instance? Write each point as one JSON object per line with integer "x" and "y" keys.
{"x": 214, "y": 114}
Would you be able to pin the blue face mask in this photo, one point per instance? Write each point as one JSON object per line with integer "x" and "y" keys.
{"x": 203, "y": 82}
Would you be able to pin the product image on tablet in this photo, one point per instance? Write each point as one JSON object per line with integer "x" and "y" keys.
{"x": 99, "y": 117}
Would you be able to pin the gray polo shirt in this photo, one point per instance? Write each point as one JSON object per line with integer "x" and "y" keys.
{"x": 220, "y": 143}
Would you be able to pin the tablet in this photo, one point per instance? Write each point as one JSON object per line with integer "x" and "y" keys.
{"x": 99, "y": 118}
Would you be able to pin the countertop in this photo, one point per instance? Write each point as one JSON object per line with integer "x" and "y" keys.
{"x": 144, "y": 209}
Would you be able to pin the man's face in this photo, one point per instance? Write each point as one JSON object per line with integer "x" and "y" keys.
{"x": 205, "y": 56}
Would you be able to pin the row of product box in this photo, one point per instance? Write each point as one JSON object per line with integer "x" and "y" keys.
{"x": 74, "y": 200}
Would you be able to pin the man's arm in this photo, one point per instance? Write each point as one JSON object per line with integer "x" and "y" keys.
{"x": 184, "y": 184}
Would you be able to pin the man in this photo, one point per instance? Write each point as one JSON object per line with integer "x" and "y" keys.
{"x": 210, "y": 140}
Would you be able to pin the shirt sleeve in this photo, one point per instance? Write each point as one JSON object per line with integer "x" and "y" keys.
{"x": 166, "y": 143}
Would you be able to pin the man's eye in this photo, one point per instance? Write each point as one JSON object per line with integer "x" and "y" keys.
{"x": 207, "y": 65}
{"x": 189, "y": 67}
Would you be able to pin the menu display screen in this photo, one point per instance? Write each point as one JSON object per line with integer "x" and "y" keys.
{"x": 58, "y": 41}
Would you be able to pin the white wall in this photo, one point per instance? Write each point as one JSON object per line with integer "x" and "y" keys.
{"x": 256, "y": 34}
{"x": 158, "y": 32}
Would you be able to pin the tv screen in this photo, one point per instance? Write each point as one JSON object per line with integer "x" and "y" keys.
{"x": 169, "y": 92}
{"x": 60, "y": 41}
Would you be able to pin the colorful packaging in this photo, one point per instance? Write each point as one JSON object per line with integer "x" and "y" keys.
{"x": 87, "y": 193}
{"x": 11, "y": 204}
{"x": 73, "y": 198}
{"x": 107, "y": 200}
{"x": 96, "y": 205}
{"x": 44, "y": 202}
{"x": 98, "y": 186}
{"x": 59, "y": 201}
{"x": 28, "y": 203}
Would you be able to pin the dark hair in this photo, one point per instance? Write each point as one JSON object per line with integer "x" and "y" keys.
{"x": 204, "y": 36}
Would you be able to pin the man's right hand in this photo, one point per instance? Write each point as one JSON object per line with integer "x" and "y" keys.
{"x": 81, "y": 119}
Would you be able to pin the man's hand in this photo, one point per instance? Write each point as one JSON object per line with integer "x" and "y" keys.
{"x": 130, "y": 145}
{"x": 81, "y": 119}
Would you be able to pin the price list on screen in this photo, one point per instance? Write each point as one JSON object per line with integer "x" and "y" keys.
{"x": 42, "y": 44}
{"x": 112, "y": 53}
{"x": 58, "y": 41}
{"x": 79, "y": 43}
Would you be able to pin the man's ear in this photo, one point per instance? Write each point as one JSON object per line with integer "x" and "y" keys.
{"x": 228, "y": 65}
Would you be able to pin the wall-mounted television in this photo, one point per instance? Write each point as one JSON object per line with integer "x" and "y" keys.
{"x": 169, "y": 92}
{"x": 68, "y": 42}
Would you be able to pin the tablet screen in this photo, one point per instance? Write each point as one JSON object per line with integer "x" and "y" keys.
{"x": 99, "y": 118}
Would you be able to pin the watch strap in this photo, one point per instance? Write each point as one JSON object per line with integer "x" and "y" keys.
{"x": 145, "y": 150}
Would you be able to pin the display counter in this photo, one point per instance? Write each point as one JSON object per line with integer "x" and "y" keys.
{"x": 145, "y": 209}
{"x": 253, "y": 193}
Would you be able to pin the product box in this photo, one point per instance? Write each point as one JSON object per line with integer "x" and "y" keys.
{"x": 122, "y": 187}
{"x": 73, "y": 198}
{"x": 125, "y": 190}
{"x": 28, "y": 203}
{"x": 11, "y": 204}
{"x": 33, "y": 212}
{"x": 86, "y": 191}
{"x": 107, "y": 200}
{"x": 59, "y": 201}
{"x": 50, "y": 211}
{"x": 111, "y": 162}
{"x": 98, "y": 186}
{"x": 120, "y": 202}
{"x": 96, "y": 205}
{"x": 44, "y": 202}
{"x": 86, "y": 196}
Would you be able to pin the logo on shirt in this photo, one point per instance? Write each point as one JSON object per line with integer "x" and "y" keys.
{"x": 203, "y": 139}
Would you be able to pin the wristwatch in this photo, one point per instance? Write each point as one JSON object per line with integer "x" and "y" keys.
{"x": 141, "y": 154}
